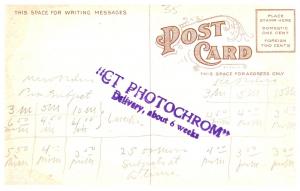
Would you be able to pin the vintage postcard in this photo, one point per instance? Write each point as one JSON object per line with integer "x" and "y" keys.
{"x": 162, "y": 95}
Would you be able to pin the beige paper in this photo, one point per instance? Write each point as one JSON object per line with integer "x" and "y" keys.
{"x": 232, "y": 66}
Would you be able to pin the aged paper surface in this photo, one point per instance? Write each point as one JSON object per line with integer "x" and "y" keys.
{"x": 233, "y": 66}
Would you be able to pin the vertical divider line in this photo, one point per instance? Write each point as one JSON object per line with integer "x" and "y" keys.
{"x": 66, "y": 139}
{"x": 34, "y": 137}
{"x": 267, "y": 101}
{"x": 149, "y": 49}
{"x": 230, "y": 144}
{"x": 229, "y": 160}
{"x": 99, "y": 163}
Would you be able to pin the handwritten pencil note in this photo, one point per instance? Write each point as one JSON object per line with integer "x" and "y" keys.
{"x": 223, "y": 84}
